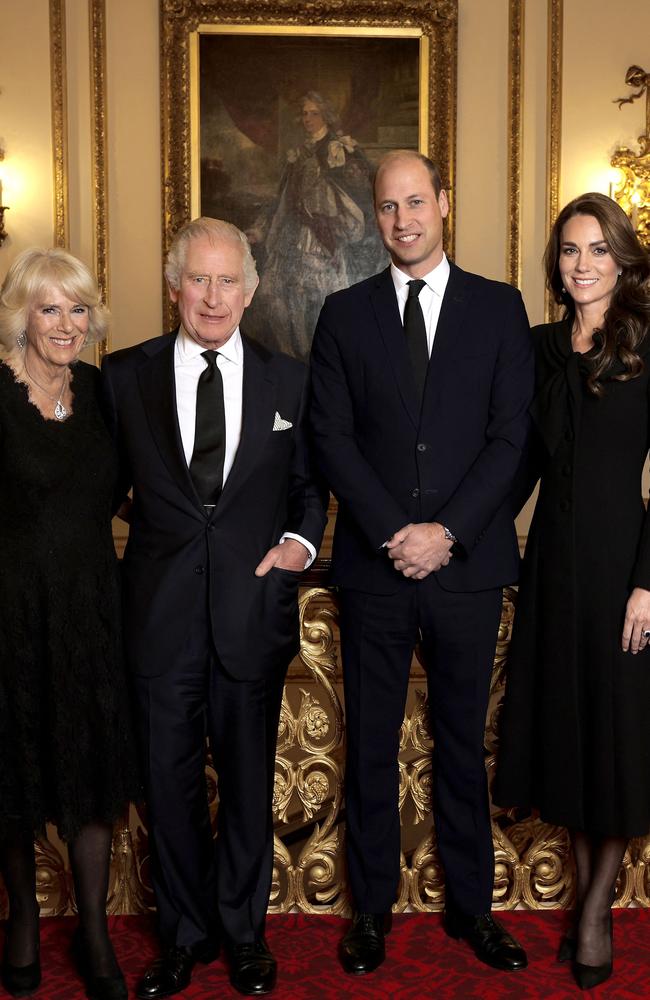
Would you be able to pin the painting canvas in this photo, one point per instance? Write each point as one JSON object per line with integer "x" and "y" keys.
{"x": 290, "y": 129}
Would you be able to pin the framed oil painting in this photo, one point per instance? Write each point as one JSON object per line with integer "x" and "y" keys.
{"x": 274, "y": 116}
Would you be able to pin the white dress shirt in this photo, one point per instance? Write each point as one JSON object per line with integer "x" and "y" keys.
{"x": 188, "y": 365}
{"x": 430, "y": 295}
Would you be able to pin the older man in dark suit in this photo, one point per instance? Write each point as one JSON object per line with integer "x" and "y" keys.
{"x": 211, "y": 433}
{"x": 422, "y": 377}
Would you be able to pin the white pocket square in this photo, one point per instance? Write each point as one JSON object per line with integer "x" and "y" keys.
{"x": 279, "y": 424}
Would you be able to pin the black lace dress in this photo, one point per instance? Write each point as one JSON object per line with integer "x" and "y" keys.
{"x": 66, "y": 745}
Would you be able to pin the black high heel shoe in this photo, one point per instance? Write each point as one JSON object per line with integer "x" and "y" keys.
{"x": 97, "y": 987}
{"x": 20, "y": 980}
{"x": 589, "y": 976}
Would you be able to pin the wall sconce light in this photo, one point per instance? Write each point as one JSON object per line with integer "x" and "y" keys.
{"x": 632, "y": 188}
{"x": 3, "y": 208}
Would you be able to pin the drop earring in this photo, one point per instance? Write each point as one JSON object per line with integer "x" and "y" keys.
{"x": 21, "y": 340}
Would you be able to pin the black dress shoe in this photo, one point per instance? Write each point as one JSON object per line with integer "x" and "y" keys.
{"x": 362, "y": 949}
{"x": 169, "y": 974}
{"x": 491, "y": 943}
{"x": 253, "y": 970}
{"x": 20, "y": 980}
{"x": 97, "y": 987}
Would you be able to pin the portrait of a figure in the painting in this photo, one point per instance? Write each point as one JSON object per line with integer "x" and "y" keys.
{"x": 291, "y": 129}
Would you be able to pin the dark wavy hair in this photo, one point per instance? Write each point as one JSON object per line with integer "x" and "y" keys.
{"x": 627, "y": 319}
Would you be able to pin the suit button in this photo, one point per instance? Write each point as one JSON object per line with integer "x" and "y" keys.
{"x": 568, "y": 435}
{"x": 565, "y": 505}
{"x": 422, "y": 447}
{"x": 211, "y": 527}
{"x": 415, "y": 493}
{"x": 199, "y": 570}
{"x": 566, "y": 470}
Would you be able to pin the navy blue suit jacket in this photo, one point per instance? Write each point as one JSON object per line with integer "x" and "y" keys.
{"x": 454, "y": 461}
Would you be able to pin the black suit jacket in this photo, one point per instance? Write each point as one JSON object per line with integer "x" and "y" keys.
{"x": 174, "y": 542}
{"x": 453, "y": 461}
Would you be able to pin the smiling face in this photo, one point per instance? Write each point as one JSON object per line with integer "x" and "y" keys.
{"x": 212, "y": 297}
{"x": 410, "y": 215}
{"x": 56, "y": 327}
{"x": 587, "y": 268}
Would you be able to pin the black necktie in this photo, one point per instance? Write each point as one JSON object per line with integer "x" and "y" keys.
{"x": 206, "y": 466}
{"x": 416, "y": 335}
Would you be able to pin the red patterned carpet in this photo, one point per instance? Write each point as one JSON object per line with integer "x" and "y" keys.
{"x": 422, "y": 962}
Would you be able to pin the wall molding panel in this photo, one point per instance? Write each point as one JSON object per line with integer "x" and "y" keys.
{"x": 515, "y": 138}
{"x": 59, "y": 121}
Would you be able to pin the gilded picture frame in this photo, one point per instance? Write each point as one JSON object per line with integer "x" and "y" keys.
{"x": 225, "y": 36}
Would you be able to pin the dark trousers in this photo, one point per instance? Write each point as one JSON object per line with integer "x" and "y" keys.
{"x": 202, "y": 891}
{"x": 458, "y": 634}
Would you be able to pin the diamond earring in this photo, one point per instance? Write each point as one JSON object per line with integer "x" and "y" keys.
{"x": 21, "y": 340}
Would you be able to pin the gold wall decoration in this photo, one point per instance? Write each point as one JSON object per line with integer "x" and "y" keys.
{"x": 553, "y": 127}
{"x": 515, "y": 139}
{"x": 435, "y": 22}
{"x": 97, "y": 20}
{"x": 533, "y": 867}
{"x": 59, "y": 121}
{"x": 633, "y": 193}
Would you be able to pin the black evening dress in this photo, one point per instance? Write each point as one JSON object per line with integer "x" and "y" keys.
{"x": 66, "y": 745}
{"x": 574, "y": 727}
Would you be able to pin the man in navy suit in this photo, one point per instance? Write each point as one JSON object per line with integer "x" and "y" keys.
{"x": 422, "y": 376}
{"x": 210, "y": 429}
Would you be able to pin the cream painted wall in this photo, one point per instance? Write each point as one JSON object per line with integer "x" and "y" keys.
{"x": 25, "y": 128}
{"x": 134, "y": 184}
{"x": 481, "y": 143}
{"x": 601, "y": 41}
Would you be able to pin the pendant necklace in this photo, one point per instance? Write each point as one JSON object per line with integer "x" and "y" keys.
{"x": 60, "y": 412}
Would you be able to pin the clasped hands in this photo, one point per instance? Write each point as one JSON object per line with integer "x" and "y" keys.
{"x": 419, "y": 549}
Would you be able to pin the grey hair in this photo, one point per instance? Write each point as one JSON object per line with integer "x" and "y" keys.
{"x": 32, "y": 272}
{"x": 215, "y": 230}
{"x": 327, "y": 109}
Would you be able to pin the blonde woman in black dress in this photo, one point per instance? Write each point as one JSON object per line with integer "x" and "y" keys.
{"x": 65, "y": 741}
{"x": 575, "y": 740}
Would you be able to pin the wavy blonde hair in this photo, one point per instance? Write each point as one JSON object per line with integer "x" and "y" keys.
{"x": 29, "y": 277}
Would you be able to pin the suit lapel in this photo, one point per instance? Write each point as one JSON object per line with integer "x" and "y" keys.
{"x": 258, "y": 411}
{"x": 384, "y": 303}
{"x": 158, "y": 390}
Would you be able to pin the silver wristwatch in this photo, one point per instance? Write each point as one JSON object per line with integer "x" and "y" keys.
{"x": 448, "y": 535}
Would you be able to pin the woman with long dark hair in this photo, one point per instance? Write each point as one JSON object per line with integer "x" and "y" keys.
{"x": 575, "y": 740}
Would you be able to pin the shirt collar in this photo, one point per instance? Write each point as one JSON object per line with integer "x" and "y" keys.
{"x": 436, "y": 280}
{"x": 187, "y": 349}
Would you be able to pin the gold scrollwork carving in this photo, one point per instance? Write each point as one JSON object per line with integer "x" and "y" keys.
{"x": 633, "y": 193}
{"x": 53, "y": 880}
{"x": 533, "y": 866}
